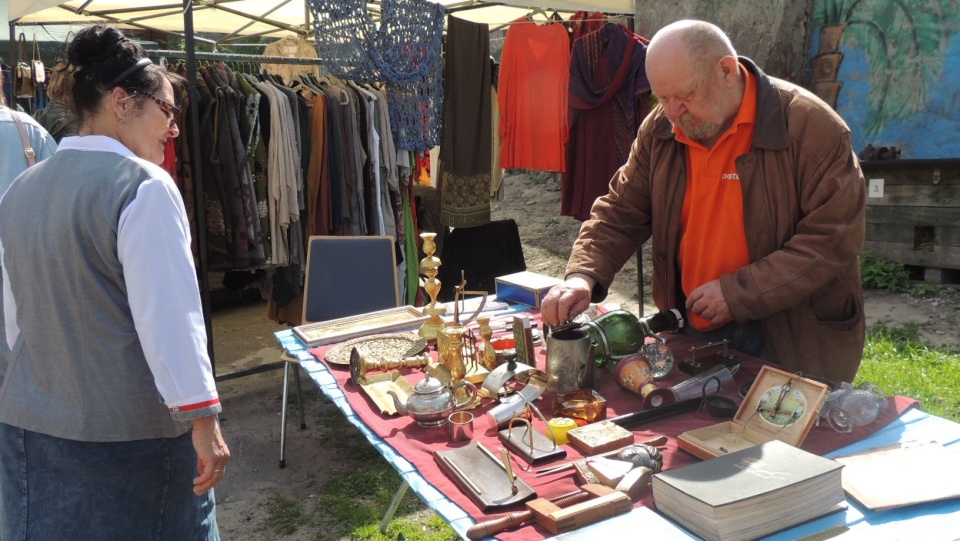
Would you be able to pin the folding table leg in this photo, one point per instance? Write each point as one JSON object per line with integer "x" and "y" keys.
{"x": 283, "y": 414}
{"x": 296, "y": 374}
{"x": 397, "y": 498}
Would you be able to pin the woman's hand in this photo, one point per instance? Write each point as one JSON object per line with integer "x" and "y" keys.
{"x": 212, "y": 453}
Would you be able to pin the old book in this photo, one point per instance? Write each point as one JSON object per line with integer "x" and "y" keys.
{"x": 750, "y": 493}
{"x": 899, "y": 476}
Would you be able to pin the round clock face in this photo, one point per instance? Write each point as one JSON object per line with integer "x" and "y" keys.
{"x": 782, "y": 406}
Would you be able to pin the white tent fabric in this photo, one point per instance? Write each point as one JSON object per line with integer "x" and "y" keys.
{"x": 276, "y": 16}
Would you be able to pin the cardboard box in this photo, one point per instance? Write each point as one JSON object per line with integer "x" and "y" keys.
{"x": 525, "y": 287}
{"x": 780, "y": 406}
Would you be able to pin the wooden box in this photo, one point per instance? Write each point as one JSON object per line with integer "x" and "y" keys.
{"x": 780, "y": 406}
{"x": 599, "y": 437}
{"x": 525, "y": 287}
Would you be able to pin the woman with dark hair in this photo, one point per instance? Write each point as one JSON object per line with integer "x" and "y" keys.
{"x": 108, "y": 415}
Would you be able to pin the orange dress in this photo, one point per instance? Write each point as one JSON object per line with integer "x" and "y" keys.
{"x": 532, "y": 95}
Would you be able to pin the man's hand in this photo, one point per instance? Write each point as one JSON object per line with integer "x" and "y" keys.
{"x": 567, "y": 300}
{"x": 707, "y": 302}
{"x": 212, "y": 453}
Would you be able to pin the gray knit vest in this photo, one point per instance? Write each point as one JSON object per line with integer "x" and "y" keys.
{"x": 77, "y": 370}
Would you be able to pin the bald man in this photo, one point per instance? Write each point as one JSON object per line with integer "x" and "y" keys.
{"x": 755, "y": 202}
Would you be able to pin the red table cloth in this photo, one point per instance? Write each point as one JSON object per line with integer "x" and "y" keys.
{"x": 417, "y": 444}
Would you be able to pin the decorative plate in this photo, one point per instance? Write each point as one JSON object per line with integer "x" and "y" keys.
{"x": 391, "y": 346}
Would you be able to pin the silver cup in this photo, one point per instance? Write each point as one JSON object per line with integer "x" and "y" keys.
{"x": 460, "y": 425}
{"x": 570, "y": 361}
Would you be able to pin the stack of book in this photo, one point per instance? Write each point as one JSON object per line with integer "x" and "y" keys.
{"x": 750, "y": 493}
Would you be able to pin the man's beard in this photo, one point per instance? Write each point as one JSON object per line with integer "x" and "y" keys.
{"x": 696, "y": 128}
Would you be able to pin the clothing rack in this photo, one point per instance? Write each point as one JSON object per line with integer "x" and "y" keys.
{"x": 236, "y": 57}
{"x": 192, "y": 56}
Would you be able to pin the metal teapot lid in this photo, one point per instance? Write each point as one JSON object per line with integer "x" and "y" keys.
{"x": 428, "y": 385}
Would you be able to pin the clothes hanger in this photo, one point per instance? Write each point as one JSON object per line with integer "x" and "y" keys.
{"x": 526, "y": 19}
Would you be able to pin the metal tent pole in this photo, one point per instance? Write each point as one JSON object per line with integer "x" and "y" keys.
{"x": 194, "y": 110}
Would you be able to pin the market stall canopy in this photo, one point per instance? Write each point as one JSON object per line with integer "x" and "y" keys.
{"x": 259, "y": 17}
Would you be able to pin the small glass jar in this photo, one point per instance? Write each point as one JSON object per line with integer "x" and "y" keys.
{"x": 584, "y": 406}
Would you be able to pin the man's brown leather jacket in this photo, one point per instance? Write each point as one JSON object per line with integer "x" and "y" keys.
{"x": 804, "y": 203}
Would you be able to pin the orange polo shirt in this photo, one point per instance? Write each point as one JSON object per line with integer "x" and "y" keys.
{"x": 713, "y": 241}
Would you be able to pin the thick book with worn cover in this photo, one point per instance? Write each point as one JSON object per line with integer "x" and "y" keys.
{"x": 749, "y": 493}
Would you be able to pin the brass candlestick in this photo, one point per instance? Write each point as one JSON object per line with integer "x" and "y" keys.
{"x": 489, "y": 355}
{"x": 456, "y": 344}
{"x": 450, "y": 352}
{"x": 428, "y": 266}
{"x": 360, "y": 366}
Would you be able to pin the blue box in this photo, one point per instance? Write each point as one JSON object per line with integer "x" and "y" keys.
{"x": 525, "y": 287}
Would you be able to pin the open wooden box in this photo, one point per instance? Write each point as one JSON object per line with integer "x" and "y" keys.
{"x": 780, "y": 406}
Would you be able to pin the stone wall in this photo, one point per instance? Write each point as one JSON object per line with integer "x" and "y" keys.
{"x": 773, "y": 33}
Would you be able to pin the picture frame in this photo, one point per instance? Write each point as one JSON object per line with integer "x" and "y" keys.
{"x": 380, "y": 321}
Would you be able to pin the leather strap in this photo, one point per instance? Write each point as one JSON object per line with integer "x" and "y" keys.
{"x": 27, "y": 149}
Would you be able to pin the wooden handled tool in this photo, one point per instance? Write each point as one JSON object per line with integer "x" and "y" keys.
{"x": 489, "y": 528}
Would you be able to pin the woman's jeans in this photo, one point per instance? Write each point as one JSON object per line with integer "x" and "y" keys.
{"x": 743, "y": 337}
{"x": 55, "y": 489}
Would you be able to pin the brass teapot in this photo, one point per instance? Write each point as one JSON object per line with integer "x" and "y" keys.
{"x": 432, "y": 401}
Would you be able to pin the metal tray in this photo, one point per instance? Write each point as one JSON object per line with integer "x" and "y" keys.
{"x": 390, "y": 346}
{"x": 377, "y": 386}
{"x": 482, "y": 477}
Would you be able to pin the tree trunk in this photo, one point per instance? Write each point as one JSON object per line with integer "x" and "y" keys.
{"x": 826, "y": 65}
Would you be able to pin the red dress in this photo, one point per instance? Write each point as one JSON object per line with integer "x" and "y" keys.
{"x": 534, "y": 76}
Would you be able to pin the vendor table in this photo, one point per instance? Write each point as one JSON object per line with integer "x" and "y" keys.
{"x": 409, "y": 449}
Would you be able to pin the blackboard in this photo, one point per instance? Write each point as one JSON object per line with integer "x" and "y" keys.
{"x": 347, "y": 276}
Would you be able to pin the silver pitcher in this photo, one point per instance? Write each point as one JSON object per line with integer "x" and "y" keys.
{"x": 570, "y": 361}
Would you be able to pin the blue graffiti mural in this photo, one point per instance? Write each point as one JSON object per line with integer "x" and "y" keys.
{"x": 891, "y": 68}
{"x": 929, "y": 133}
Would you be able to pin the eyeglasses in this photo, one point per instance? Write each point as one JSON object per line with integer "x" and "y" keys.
{"x": 170, "y": 110}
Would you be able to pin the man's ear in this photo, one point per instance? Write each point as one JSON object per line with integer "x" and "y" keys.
{"x": 730, "y": 70}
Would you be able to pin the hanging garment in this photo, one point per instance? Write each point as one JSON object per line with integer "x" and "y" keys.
{"x": 253, "y": 120}
{"x": 464, "y": 164}
{"x": 534, "y": 81}
{"x": 496, "y": 172}
{"x": 291, "y": 47}
{"x": 609, "y": 95}
{"x": 318, "y": 174}
{"x": 584, "y": 22}
{"x": 403, "y": 48}
{"x": 339, "y": 207}
{"x": 390, "y": 198}
{"x": 214, "y": 193}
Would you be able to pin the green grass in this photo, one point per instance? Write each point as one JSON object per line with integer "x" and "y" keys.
{"x": 352, "y": 506}
{"x": 898, "y": 362}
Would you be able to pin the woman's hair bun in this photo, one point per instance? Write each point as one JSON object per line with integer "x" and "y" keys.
{"x": 94, "y": 44}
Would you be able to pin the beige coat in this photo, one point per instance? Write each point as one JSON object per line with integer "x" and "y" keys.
{"x": 804, "y": 204}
